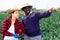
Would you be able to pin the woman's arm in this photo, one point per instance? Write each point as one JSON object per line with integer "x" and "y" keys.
{"x": 22, "y": 28}
{"x": 5, "y": 29}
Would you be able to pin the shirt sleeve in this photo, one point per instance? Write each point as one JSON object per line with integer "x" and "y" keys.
{"x": 5, "y": 29}
{"x": 43, "y": 15}
{"x": 22, "y": 26}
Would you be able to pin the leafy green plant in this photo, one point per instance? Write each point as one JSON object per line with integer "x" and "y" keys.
{"x": 49, "y": 26}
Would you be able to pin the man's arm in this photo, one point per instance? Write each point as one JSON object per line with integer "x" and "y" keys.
{"x": 45, "y": 14}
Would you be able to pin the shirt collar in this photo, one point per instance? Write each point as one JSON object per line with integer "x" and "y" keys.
{"x": 29, "y": 14}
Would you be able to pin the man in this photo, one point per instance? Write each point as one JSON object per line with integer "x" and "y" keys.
{"x": 31, "y": 21}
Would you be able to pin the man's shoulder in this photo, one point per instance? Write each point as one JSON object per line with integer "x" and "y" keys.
{"x": 35, "y": 12}
{"x": 23, "y": 17}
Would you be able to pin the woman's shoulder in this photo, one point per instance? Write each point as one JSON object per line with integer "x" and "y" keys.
{"x": 6, "y": 20}
{"x": 19, "y": 21}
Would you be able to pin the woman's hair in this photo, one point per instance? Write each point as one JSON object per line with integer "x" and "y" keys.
{"x": 11, "y": 14}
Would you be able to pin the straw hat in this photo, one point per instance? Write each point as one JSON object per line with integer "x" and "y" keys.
{"x": 26, "y": 5}
{"x": 13, "y": 9}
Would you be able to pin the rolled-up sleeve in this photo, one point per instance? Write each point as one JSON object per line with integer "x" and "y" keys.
{"x": 44, "y": 15}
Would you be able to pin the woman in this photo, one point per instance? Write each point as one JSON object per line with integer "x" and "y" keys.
{"x": 12, "y": 27}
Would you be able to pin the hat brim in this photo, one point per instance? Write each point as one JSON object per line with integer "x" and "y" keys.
{"x": 11, "y": 11}
{"x": 29, "y": 6}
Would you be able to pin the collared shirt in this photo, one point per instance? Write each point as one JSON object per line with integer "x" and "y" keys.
{"x": 11, "y": 29}
{"x": 32, "y": 22}
{"x": 18, "y": 27}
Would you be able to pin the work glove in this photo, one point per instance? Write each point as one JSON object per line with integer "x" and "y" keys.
{"x": 15, "y": 35}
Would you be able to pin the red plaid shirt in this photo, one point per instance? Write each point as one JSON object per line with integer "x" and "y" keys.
{"x": 19, "y": 27}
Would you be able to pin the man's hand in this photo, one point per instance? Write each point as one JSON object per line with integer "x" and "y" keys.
{"x": 52, "y": 10}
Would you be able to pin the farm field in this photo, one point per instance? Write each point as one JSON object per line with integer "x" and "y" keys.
{"x": 50, "y": 26}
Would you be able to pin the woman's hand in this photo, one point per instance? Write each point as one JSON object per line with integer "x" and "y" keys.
{"x": 16, "y": 35}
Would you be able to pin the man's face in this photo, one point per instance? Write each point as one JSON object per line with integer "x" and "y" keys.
{"x": 27, "y": 10}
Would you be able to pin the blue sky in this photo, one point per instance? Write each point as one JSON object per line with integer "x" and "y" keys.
{"x": 39, "y": 4}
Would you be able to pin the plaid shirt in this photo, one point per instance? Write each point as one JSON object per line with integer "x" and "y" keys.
{"x": 19, "y": 28}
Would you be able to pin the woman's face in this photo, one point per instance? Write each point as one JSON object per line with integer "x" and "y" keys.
{"x": 15, "y": 14}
